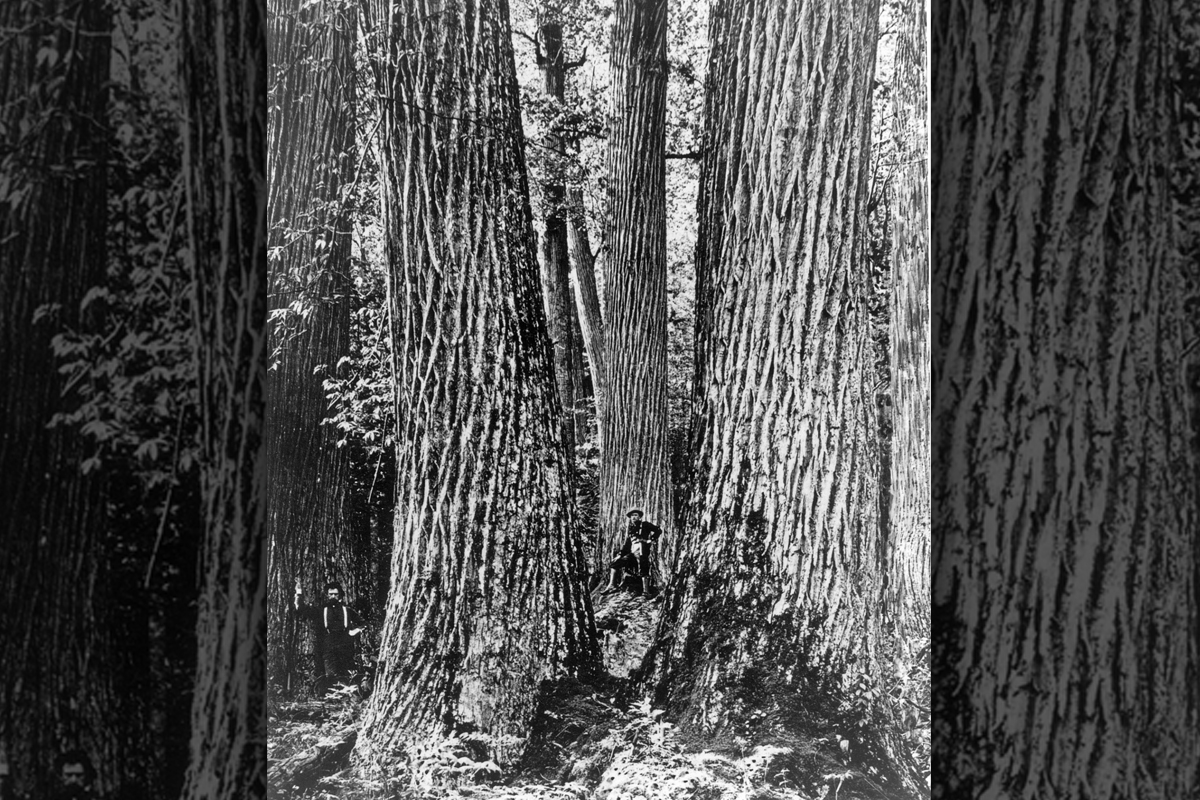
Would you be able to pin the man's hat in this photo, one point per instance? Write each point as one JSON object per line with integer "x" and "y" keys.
{"x": 633, "y": 511}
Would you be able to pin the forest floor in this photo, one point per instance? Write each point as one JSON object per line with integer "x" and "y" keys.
{"x": 586, "y": 745}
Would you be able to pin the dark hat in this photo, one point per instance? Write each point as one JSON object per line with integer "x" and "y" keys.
{"x": 633, "y": 511}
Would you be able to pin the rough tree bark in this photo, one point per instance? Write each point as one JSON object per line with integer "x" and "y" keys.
{"x": 909, "y": 526}
{"x": 311, "y": 534}
{"x": 487, "y": 599}
{"x": 634, "y": 470}
{"x": 223, "y": 82}
{"x": 1186, "y": 192}
{"x": 774, "y": 610}
{"x": 1066, "y": 524}
{"x": 56, "y": 667}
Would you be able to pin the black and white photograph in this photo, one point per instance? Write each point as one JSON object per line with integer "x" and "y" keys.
{"x": 133, "y": 309}
{"x": 598, "y": 400}
{"x": 1066, "y": 387}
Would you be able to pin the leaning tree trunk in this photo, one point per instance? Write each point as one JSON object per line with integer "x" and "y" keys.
{"x": 909, "y": 529}
{"x": 1066, "y": 505}
{"x": 487, "y": 598}
{"x": 587, "y": 298}
{"x": 774, "y": 610}
{"x": 312, "y": 536}
{"x": 56, "y": 667}
{"x": 223, "y": 81}
{"x": 634, "y": 469}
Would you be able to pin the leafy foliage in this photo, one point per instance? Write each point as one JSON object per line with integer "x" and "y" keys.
{"x": 637, "y": 752}
{"x": 134, "y": 376}
{"x": 609, "y": 753}
{"x": 132, "y": 373}
{"x": 358, "y": 387}
{"x": 581, "y": 123}
{"x": 128, "y": 376}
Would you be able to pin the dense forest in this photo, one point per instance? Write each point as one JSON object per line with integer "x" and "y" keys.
{"x": 532, "y": 267}
{"x": 133, "y": 279}
{"x": 341, "y": 338}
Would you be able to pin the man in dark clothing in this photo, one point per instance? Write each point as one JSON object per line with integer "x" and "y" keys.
{"x": 640, "y": 537}
{"x": 336, "y": 624}
{"x": 75, "y": 776}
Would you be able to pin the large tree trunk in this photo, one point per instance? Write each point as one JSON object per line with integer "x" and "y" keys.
{"x": 56, "y": 666}
{"x": 223, "y": 78}
{"x": 774, "y": 610}
{"x": 634, "y": 469}
{"x": 312, "y": 536}
{"x": 909, "y": 526}
{"x": 1066, "y": 511}
{"x": 487, "y": 598}
{"x": 1186, "y": 192}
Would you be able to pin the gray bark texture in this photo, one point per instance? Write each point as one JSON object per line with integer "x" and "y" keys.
{"x": 487, "y": 600}
{"x": 909, "y": 513}
{"x": 634, "y": 470}
{"x": 312, "y": 536}
{"x": 223, "y": 78}
{"x": 1065, "y": 544}
{"x": 56, "y": 666}
{"x": 774, "y": 611}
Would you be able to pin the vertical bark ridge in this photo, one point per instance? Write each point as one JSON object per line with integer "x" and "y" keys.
{"x": 313, "y": 536}
{"x": 635, "y": 470}
{"x": 783, "y": 376}
{"x": 908, "y": 544}
{"x": 781, "y": 571}
{"x": 1066, "y": 529}
{"x": 55, "y": 684}
{"x": 223, "y": 75}
{"x": 487, "y": 601}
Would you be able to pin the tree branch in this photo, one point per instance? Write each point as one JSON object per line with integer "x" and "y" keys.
{"x": 576, "y": 64}
{"x": 537, "y": 47}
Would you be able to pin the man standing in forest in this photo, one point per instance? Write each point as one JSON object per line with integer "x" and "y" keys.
{"x": 337, "y": 625}
{"x": 640, "y": 537}
{"x": 75, "y": 775}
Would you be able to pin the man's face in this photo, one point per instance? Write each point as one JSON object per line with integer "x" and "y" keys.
{"x": 333, "y": 595}
{"x": 73, "y": 775}
{"x": 634, "y": 519}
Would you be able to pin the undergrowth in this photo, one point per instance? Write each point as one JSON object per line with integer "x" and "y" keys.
{"x": 585, "y": 748}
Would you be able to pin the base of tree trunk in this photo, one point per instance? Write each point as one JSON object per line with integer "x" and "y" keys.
{"x": 813, "y": 749}
{"x": 573, "y": 719}
{"x": 592, "y": 735}
{"x": 294, "y": 776}
{"x": 625, "y": 625}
